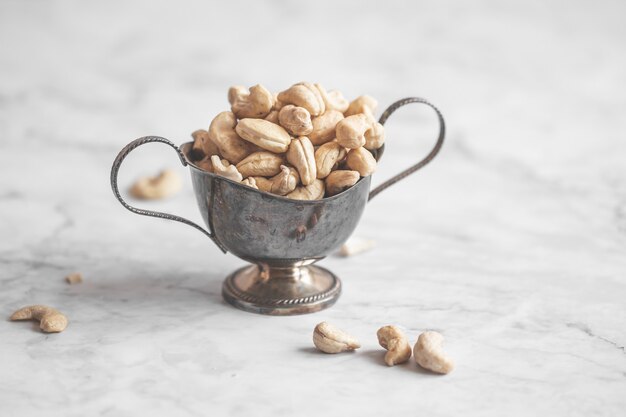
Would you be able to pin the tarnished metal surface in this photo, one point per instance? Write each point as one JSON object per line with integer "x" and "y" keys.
{"x": 281, "y": 236}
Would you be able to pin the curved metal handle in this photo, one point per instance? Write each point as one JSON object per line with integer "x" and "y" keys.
{"x": 114, "y": 173}
{"x": 442, "y": 133}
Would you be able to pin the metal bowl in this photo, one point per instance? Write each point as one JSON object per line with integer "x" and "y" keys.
{"x": 281, "y": 237}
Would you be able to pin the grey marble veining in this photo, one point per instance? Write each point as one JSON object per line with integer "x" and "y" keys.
{"x": 512, "y": 243}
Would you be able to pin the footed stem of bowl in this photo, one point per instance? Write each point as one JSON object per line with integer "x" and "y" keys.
{"x": 281, "y": 290}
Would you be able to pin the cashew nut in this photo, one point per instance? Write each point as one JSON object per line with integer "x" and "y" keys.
{"x": 330, "y": 339}
{"x": 272, "y": 116}
{"x": 429, "y": 354}
{"x": 326, "y": 158}
{"x": 351, "y": 130}
{"x": 302, "y": 156}
{"x": 340, "y": 180}
{"x": 324, "y": 127}
{"x": 260, "y": 164}
{"x": 304, "y": 95}
{"x": 250, "y": 182}
{"x": 205, "y": 164}
{"x": 361, "y": 105}
{"x": 230, "y": 145}
{"x": 396, "y": 343}
{"x": 165, "y": 184}
{"x": 257, "y": 103}
{"x": 74, "y": 278}
{"x": 225, "y": 169}
{"x": 374, "y": 137}
{"x": 361, "y": 160}
{"x": 264, "y": 134}
{"x": 282, "y": 183}
{"x": 333, "y": 100}
{"x": 297, "y": 120}
{"x": 50, "y": 319}
{"x": 313, "y": 191}
{"x": 202, "y": 143}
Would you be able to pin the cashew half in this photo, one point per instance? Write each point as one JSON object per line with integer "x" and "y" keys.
{"x": 257, "y": 103}
{"x": 326, "y": 158}
{"x": 330, "y": 339}
{"x": 324, "y": 127}
{"x": 396, "y": 343}
{"x": 230, "y": 145}
{"x": 428, "y": 352}
{"x": 302, "y": 156}
{"x": 203, "y": 144}
{"x": 361, "y": 160}
{"x": 280, "y": 184}
{"x": 225, "y": 169}
{"x": 260, "y": 164}
{"x": 297, "y": 120}
{"x": 250, "y": 182}
{"x": 350, "y": 132}
{"x": 74, "y": 278}
{"x": 313, "y": 191}
{"x": 340, "y": 180}
{"x": 304, "y": 95}
{"x": 165, "y": 184}
{"x": 265, "y": 134}
{"x": 362, "y": 104}
{"x": 50, "y": 319}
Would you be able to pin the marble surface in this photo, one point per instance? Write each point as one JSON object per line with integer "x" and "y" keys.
{"x": 512, "y": 243}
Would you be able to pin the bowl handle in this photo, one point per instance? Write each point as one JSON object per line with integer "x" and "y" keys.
{"x": 114, "y": 172}
{"x": 442, "y": 133}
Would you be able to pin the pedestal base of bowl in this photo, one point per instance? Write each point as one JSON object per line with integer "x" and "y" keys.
{"x": 282, "y": 291}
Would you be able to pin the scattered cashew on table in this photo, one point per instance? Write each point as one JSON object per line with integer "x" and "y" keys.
{"x": 428, "y": 350}
{"x": 50, "y": 319}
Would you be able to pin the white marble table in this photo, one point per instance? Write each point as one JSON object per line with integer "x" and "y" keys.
{"x": 512, "y": 243}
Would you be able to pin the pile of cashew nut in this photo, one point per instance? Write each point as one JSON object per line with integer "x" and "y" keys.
{"x": 428, "y": 351}
{"x": 303, "y": 143}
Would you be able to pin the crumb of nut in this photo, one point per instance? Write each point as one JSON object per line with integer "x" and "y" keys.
{"x": 74, "y": 278}
{"x": 356, "y": 245}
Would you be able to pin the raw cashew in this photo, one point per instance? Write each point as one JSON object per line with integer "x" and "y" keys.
{"x": 203, "y": 144}
{"x": 313, "y": 191}
{"x": 250, "y": 182}
{"x": 297, "y": 120}
{"x": 260, "y": 164}
{"x": 205, "y": 164}
{"x": 351, "y": 130}
{"x": 165, "y": 184}
{"x": 429, "y": 354}
{"x": 324, "y": 127}
{"x": 74, "y": 278}
{"x": 304, "y": 95}
{"x": 50, "y": 319}
{"x": 330, "y": 339}
{"x": 230, "y": 145}
{"x": 264, "y": 134}
{"x": 225, "y": 169}
{"x": 340, "y": 180}
{"x": 277, "y": 103}
{"x": 280, "y": 184}
{"x": 333, "y": 100}
{"x": 361, "y": 105}
{"x": 272, "y": 116}
{"x": 302, "y": 156}
{"x": 375, "y": 137}
{"x": 327, "y": 156}
{"x": 257, "y": 103}
{"x": 396, "y": 343}
{"x": 361, "y": 160}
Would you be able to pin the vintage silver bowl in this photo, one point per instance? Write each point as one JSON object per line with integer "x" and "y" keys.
{"x": 282, "y": 238}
